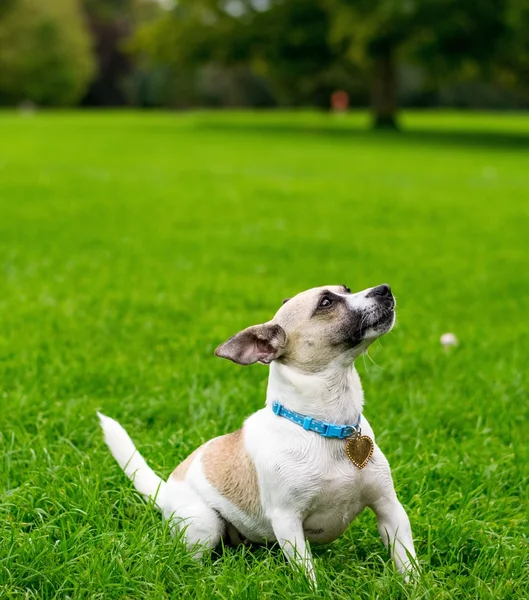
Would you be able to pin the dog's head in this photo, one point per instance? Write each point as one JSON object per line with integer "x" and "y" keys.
{"x": 315, "y": 328}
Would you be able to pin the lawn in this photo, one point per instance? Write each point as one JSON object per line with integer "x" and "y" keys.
{"x": 132, "y": 244}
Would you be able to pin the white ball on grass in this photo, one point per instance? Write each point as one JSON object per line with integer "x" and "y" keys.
{"x": 449, "y": 339}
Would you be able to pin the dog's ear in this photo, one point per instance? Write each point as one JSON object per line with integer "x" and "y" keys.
{"x": 260, "y": 343}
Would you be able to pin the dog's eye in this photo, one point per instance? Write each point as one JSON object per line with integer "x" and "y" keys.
{"x": 325, "y": 302}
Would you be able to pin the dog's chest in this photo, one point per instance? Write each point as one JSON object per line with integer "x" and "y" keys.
{"x": 335, "y": 493}
{"x": 317, "y": 475}
{"x": 309, "y": 474}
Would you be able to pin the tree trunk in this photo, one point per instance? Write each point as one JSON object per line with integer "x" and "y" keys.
{"x": 384, "y": 90}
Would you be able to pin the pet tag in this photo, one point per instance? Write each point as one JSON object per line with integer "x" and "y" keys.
{"x": 359, "y": 449}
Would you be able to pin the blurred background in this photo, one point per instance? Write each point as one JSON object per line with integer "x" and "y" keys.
{"x": 266, "y": 53}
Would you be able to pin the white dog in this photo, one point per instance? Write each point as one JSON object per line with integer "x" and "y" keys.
{"x": 304, "y": 466}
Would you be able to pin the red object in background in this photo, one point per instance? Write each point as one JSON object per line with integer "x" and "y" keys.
{"x": 340, "y": 101}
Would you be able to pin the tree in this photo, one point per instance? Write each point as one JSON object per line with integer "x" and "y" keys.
{"x": 442, "y": 35}
{"x": 45, "y": 53}
{"x": 297, "y": 44}
{"x": 111, "y": 23}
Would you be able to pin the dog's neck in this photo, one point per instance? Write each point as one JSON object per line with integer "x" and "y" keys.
{"x": 334, "y": 395}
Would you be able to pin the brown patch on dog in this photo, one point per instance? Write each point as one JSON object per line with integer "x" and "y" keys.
{"x": 231, "y": 471}
{"x": 180, "y": 472}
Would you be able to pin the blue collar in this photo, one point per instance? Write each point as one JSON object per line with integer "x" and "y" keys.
{"x": 329, "y": 430}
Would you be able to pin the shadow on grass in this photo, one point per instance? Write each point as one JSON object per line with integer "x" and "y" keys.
{"x": 431, "y": 137}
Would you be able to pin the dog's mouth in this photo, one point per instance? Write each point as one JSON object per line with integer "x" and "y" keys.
{"x": 387, "y": 318}
{"x": 376, "y": 324}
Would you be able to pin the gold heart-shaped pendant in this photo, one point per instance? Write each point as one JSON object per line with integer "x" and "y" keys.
{"x": 359, "y": 449}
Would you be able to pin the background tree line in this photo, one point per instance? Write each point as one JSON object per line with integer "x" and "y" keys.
{"x": 185, "y": 53}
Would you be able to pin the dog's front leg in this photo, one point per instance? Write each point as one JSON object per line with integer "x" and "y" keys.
{"x": 395, "y": 530}
{"x": 288, "y": 529}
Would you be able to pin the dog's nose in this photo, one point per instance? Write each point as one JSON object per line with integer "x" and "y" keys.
{"x": 381, "y": 291}
{"x": 382, "y": 294}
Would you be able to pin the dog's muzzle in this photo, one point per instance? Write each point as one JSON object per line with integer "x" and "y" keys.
{"x": 382, "y": 313}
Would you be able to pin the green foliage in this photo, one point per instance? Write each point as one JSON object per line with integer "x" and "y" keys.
{"x": 108, "y": 10}
{"x": 440, "y": 33}
{"x": 290, "y": 46}
{"x": 514, "y": 55}
{"x": 307, "y": 49}
{"x": 131, "y": 244}
{"x": 289, "y": 52}
{"x": 287, "y": 44}
{"x": 45, "y": 53}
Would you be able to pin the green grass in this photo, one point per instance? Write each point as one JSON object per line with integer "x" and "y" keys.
{"x": 132, "y": 244}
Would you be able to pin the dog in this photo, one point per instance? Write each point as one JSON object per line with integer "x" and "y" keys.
{"x": 304, "y": 466}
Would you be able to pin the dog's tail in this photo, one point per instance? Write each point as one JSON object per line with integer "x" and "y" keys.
{"x": 130, "y": 460}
